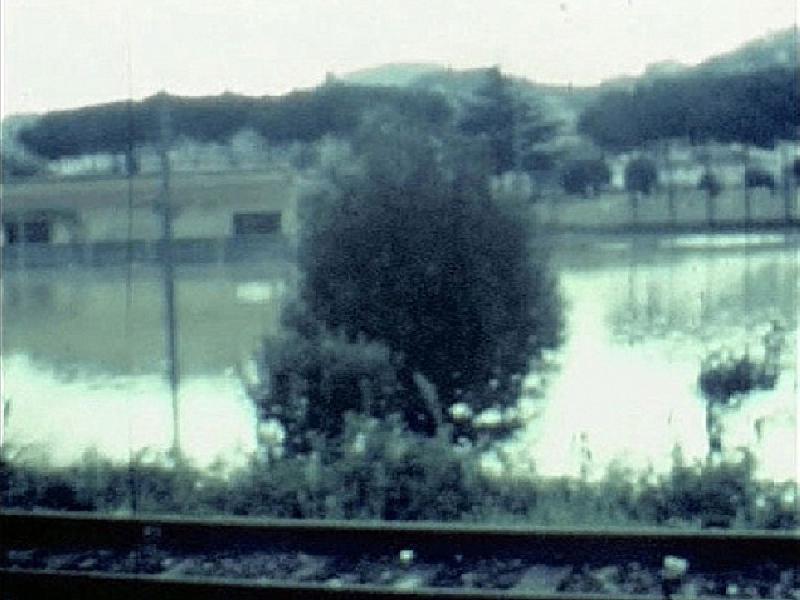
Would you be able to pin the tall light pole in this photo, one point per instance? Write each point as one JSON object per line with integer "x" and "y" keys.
{"x": 748, "y": 208}
{"x": 670, "y": 170}
{"x": 164, "y": 206}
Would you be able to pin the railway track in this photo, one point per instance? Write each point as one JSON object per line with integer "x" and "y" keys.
{"x": 77, "y": 555}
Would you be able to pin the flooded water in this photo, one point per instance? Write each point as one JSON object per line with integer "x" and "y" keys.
{"x": 625, "y": 392}
{"x": 83, "y": 356}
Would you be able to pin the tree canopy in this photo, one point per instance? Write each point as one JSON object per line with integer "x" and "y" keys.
{"x": 410, "y": 251}
{"x": 585, "y": 176}
{"x": 641, "y": 175}
{"x": 755, "y": 108}
{"x": 513, "y": 129}
{"x": 298, "y": 116}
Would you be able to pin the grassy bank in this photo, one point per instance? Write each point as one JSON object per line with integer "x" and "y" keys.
{"x": 381, "y": 471}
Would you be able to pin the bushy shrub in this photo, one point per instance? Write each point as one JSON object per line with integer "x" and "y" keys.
{"x": 723, "y": 376}
{"x": 380, "y": 470}
{"x": 317, "y": 376}
{"x": 150, "y": 483}
{"x": 724, "y": 494}
{"x": 411, "y": 251}
{"x": 585, "y": 177}
{"x": 641, "y": 176}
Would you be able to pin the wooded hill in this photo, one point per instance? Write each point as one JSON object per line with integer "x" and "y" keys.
{"x": 299, "y": 116}
{"x": 749, "y": 95}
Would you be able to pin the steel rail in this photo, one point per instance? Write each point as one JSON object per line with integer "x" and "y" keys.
{"x": 706, "y": 549}
{"x": 714, "y": 551}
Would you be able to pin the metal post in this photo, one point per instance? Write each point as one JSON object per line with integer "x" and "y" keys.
{"x": 747, "y": 199}
{"x": 710, "y": 193}
{"x": 787, "y": 180}
{"x": 673, "y": 216}
{"x": 168, "y": 271}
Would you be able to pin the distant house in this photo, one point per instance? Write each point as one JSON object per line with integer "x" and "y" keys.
{"x": 205, "y": 206}
{"x": 683, "y": 165}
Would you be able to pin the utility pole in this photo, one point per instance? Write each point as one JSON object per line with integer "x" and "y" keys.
{"x": 711, "y": 193}
{"x": 164, "y": 206}
{"x": 748, "y": 209}
{"x": 669, "y": 168}
{"x": 787, "y": 181}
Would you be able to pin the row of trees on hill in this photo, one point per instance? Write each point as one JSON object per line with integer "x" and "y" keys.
{"x": 304, "y": 116}
{"x": 755, "y": 108}
{"x": 513, "y": 132}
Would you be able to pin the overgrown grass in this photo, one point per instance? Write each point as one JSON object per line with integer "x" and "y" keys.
{"x": 379, "y": 470}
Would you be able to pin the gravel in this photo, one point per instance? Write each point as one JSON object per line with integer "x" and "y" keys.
{"x": 764, "y": 581}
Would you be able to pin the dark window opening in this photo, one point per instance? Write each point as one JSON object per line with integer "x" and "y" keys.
{"x": 11, "y": 232}
{"x": 256, "y": 223}
{"x": 37, "y": 232}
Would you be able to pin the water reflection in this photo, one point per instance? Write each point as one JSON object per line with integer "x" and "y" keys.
{"x": 83, "y": 356}
{"x": 626, "y": 392}
{"x": 64, "y": 413}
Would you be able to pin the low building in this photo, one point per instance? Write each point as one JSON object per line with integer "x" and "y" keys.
{"x": 682, "y": 165}
{"x": 115, "y": 209}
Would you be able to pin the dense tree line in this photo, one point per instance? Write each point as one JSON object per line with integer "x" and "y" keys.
{"x": 13, "y": 167}
{"x": 755, "y": 108}
{"x": 299, "y": 116}
{"x": 585, "y": 176}
{"x": 512, "y": 131}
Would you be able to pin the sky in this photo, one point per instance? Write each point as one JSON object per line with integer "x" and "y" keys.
{"x": 68, "y": 53}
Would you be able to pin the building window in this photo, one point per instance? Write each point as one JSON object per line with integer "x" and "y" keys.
{"x": 256, "y": 223}
{"x": 11, "y": 233}
{"x": 36, "y": 232}
{"x": 30, "y": 232}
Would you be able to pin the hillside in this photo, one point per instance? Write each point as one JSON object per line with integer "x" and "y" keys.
{"x": 456, "y": 84}
{"x": 394, "y": 74}
{"x": 779, "y": 49}
{"x": 566, "y": 104}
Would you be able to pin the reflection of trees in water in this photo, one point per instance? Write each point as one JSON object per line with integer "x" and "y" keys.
{"x": 699, "y": 301}
{"x": 740, "y": 310}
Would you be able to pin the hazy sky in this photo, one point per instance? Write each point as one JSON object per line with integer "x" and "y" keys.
{"x": 67, "y": 53}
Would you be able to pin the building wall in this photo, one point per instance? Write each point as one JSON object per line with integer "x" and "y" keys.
{"x": 204, "y": 205}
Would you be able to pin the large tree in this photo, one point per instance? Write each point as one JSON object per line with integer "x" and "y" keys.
{"x": 515, "y": 130}
{"x": 410, "y": 251}
{"x": 585, "y": 176}
{"x": 641, "y": 176}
